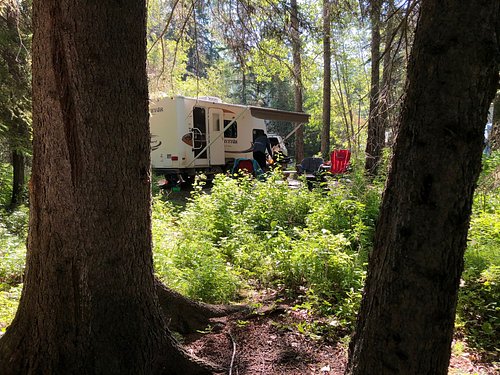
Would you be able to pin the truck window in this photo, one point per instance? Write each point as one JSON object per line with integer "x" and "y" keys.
{"x": 274, "y": 141}
{"x": 232, "y": 131}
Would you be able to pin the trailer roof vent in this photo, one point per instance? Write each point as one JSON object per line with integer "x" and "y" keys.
{"x": 213, "y": 99}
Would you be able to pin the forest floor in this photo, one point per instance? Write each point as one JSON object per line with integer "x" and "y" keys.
{"x": 270, "y": 341}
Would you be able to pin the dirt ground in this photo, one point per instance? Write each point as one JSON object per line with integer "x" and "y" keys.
{"x": 268, "y": 342}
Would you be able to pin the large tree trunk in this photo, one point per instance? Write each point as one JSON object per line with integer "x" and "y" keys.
{"x": 406, "y": 319}
{"x": 327, "y": 78}
{"x": 89, "y": 303}
{"x": 297, "y": 72}
{"x": 375, "y": 139}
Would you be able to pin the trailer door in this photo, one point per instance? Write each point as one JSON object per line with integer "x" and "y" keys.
{"x": 216, "y": 126}
{"x": 199, "y": 135}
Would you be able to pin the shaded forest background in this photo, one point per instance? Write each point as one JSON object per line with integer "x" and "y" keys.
{"x": 243, "y": 52}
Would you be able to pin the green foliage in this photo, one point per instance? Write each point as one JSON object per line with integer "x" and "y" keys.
{"x": 323, "y": 265}
{"x": 479, "y": 310}
{"x": 13, "y": 229}
{"x": 264, "y": 233}
{"x": 310, "y": 244}
{"x": 15, "y": 75}
{"x": 205, "y": 274}
{"x": 187, "y": 261}
{"x": 479, "y": 299}
{"x": 244, "y": 55}
{"x": 486, "y": 198}
{"x": 5, "y": 184}
{"x": 9, "y": 300}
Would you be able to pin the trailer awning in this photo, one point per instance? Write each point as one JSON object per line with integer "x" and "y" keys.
{"x": 279, "y": 115}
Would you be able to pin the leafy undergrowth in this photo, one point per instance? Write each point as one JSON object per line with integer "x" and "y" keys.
{"x": 478, "y": 309}
{"x": 13, "y": 231}
{"x": 245, "y": 234}
{"x": 242, "y": 236}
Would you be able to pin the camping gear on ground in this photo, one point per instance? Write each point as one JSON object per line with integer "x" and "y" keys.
{"x": 310, "y": 167}
{"x": 246, "y": 166}
{"x": 339, "y": 161}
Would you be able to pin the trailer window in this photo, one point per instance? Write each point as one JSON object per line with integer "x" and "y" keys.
{"x": 216, "y": 122}
{"x": 232, "y": 131}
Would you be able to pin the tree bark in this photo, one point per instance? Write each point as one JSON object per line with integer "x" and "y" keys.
{"x": 243, "y": 87}
{"x": 184, "y": 315}
{"x": 88, "y": 304}
{"x": 374, "y": 142}
{"x": 297, "y": 72}
{"x": 405, "y": 324}
{"x": 327, "y": 78}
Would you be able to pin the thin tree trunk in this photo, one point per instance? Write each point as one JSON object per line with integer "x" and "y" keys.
{"x": 340, "y": 93}
{"x": 406, "y": 321}
{"x": 243, "y": 80}
{"x": 375, "y": 138}
{"x": 17, "y": 179}
{"x": 88, "y": 304}
{"x": 243, "y": 88}
{"x": 385, "y": 95}
{"x": 297, "y": 72}
{"x": 348, "y": 97}
{"x": 327, "y": 77}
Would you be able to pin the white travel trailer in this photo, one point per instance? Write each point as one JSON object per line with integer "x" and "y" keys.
{"x": 190, "y": 135}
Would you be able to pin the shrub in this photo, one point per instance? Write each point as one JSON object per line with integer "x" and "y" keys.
{"x": 479, "y": 297}
{"x": 264, "y": 233}
{"x": 205, "y": 274}
{"x": 13, "y": 230}
{"x": 479, "y": 310}
{"x": 185, "y": 257}
{"x": 9, "y": 300}
{"x": 487, "y": 198}
{"x": 5, "y": 183}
